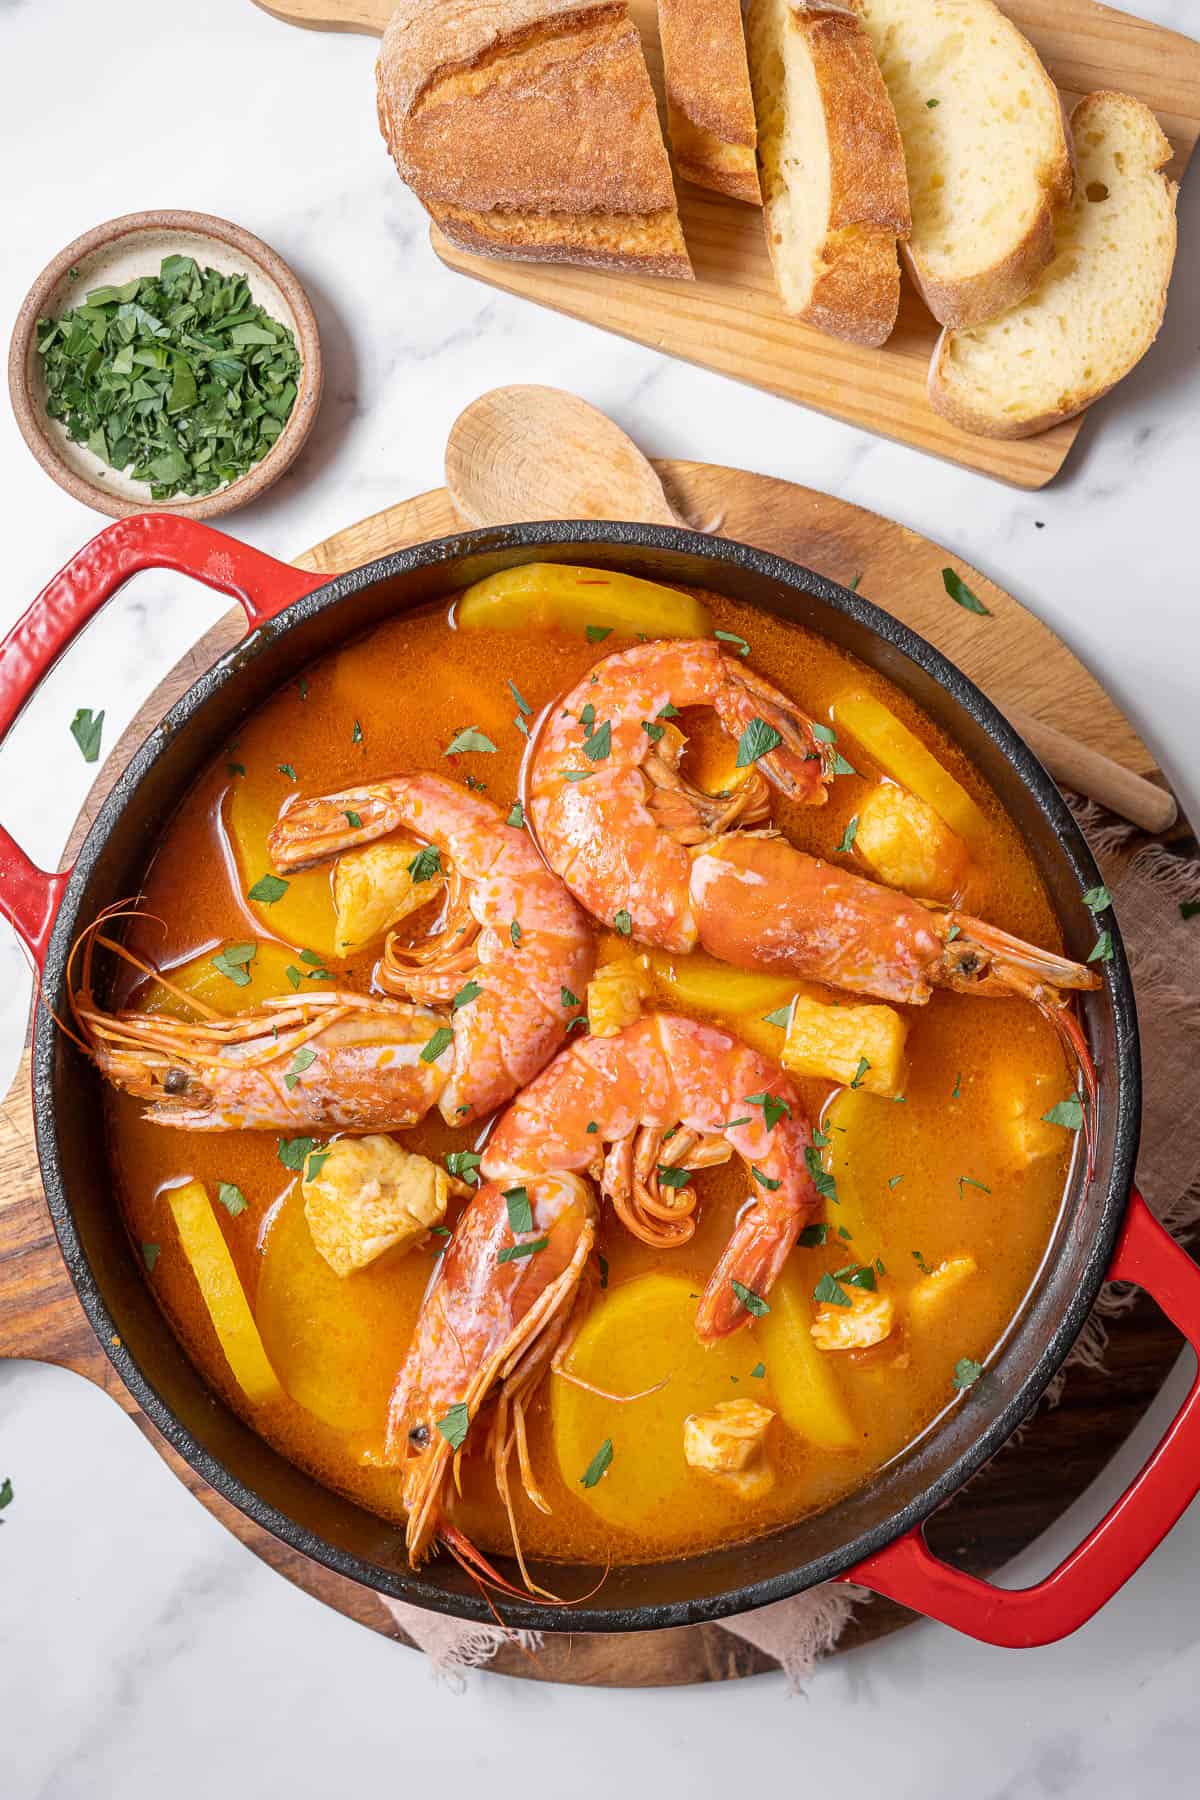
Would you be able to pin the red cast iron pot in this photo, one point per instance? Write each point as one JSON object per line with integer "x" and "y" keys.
{"x": 874, "y": 1535}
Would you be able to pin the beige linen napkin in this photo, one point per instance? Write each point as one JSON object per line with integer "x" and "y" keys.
{"x": 1148, "y": 884}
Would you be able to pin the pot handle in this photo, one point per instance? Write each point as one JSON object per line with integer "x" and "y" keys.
{"x": 29, "y": 896}
{"x": 1087, "y": 1579}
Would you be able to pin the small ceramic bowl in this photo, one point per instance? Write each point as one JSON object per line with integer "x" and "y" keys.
{"x": 117, "y": 252}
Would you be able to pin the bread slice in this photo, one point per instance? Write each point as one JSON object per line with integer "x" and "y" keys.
{"x": 528, "y": 128}
{"x": 832, "y": 167}
{"x": 710, "y": 109}
{"x": 1097, "y": 308}
{"x": 986, "y": 143}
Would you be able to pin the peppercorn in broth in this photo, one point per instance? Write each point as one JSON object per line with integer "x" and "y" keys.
{"x": 938, "y": 1201}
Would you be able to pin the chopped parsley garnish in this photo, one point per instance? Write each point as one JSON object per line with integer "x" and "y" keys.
{"x": 1097, "y": 899}
{"x": 311, "y": 956}
{"x": 764, "y": 1180}
{"x": 652, "y": 731}
{"x": 730, "y": 1123}
{"x": 599, "y": 1463}
{"x": 236, "y": 768}
{"x": 1189, "y": 908}
{"x": 150, "y": 1255}
{"x": 1104, "y": 948}
{"x": 587, "y": 719}
{"x": 671, "y": 1177}
{"x": 758, "y": 1371}
{"x": 425, "y": 864}
{"x": 602, "y": 1260}
{"x": 454, "y": 1424}
{"x": 518, "y": 1252}
{"x": 6, "y": 1493}
{"x": 758, "y": 740}
{"x": 830, "y": 1292}
{"x": 440, "y": 1042}
{"x": 293, "y": 974}
{"x": 596, "y": 634}
{"x": 970, "y": 1181}
{"x": 859, "y": 1275}
{"x": 956, "y": 1092}
{"x": 567, "y": 997}
{"x": 667, "y": 711}
{"x": 954, "y": 931}
{"x": 623, "y": 923}
{"x": 315, "y": 1164}
{"x": 820, "y": 1138}
{"x": 1068, "y": 1113}
{"x": 853, "y": 582}
{"x": 824, "y": 734}
{"x": 516, "y": 817}
{"x": 921, "y": 1263}
{"x": 465, "y": 1165}
{"x": 356, "y": 736}
{"x": 231, "y": 1197}
{"x": 863, "y": 1066}
{"x": 522, "y": 704}
{"x": 303, "y": 1059}
{"x": 470, "y": 991}
{"x": 895, "y": 1180}
{"x": 933, "y": 103}
{"x": 822, "y": 1180}
{"x": 812, "y": 1237}
{"x": 232, "y": 962}
{"x": 520, "y": 1212}
{"x": 470, "y": 739}
{"x": 267, "y": 890}
{"x": 287, "y": 769}
{"x": 86, "y": 728}
{"x": 962, "y": 596}
{"x": 592, "y": 1125}
{"x": 514, "y": 932}
{"x": 294, "y": 1151}
{"x": 520, "y": 724}
{"x": 353, "y": 821}
{"x": 841, "y": 766}
{"x": 848, "y": 837}
{"x": 599, "y": 744}
{"x": 476, "y": 787}
{"x": 753, "y": 1303}
{"x": 773, "y": 1108}
{"x": 731, "y": 637}
{"x": 782, "y": 1016}
{"x": 966, "y": 1372}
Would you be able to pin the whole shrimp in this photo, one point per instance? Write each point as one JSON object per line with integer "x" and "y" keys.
{"x": 627, "y": 834}
{"x": 511, "y": 939}
{"x": 490, "y": 1327}
{"x": 664, "y": 1096}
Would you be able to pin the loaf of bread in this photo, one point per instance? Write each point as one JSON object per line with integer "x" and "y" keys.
{"x": 832, "y": 167}
{"x": 710, "y": 109}
{"x": 1096, "y": 310}
{"x": 528, "y": 128}
{"x": 987, "y": 149}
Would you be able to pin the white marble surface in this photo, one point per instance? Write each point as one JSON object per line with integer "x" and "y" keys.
{"x": 142, "y": 1646}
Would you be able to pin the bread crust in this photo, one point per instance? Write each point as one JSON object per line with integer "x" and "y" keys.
{"x": 710, "y": 108}
{"x": 945, "y": 399}
{"x": 529, "y": 129}
{"x": 856, "y": 291}
{"x": 982, "y": 295}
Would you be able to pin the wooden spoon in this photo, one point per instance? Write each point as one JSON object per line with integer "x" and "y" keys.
{"x": 522, "y": 453}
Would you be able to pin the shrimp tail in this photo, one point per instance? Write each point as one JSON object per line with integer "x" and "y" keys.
{"x": 753, "y": 1259}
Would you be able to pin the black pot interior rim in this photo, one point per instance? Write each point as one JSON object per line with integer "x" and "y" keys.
{"x": 732, "y": 556}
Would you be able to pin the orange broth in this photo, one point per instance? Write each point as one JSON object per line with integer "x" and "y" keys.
{"x": 393, "y": 701}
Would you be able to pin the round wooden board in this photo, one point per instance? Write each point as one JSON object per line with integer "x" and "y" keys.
{"x": 1020, "y": 663}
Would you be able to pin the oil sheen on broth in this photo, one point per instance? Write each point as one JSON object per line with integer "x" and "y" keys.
{"x": 936, "y": 1176}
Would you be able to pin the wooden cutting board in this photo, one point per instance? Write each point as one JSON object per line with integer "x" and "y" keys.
{"x": 1019, "y": 661}
{"x": 729, "y": 319}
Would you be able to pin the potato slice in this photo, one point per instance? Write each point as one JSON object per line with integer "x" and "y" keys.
{"x": 709, "y": 986}
{"x": 614, "y": 999}
{"x": 304, "y": 913}
{"x": 370, "y": 1196}
{"x": 906, "y": 845}
{"x": 337, "y": 1344}
{"x": 900, "y": 754}
{"x": 373, "y": 890}
{"x": 201, "y": 978}
{"x": 803, "y": 1384}
{"x": 637, "y": 1334}
{"x": 863, "y": 1045}
{"x": 209, "y": 1258}
{"x": 572, "y": 598}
